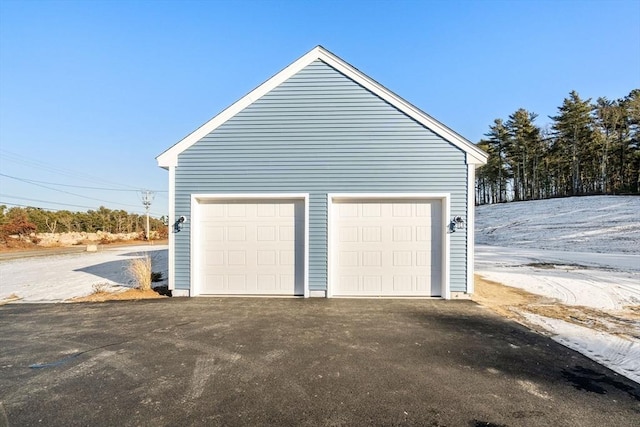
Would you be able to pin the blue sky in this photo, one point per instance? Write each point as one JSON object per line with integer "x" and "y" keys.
{"x": 92, "y": 91}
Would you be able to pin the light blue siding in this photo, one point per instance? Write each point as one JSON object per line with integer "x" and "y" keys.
{"x": 320, "y": 132}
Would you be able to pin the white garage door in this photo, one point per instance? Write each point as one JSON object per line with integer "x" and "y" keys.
{"x": 252, "y": 247}
{"x": 387, "y": 248}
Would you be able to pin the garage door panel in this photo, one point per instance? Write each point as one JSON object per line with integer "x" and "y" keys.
{"x": 349, "y": 259}
{"x": 372, "y": 259}
{"x": 387, "y": 248}
{"x": 423, "y": 284}
{"x": 267, "y": 258}
{"x": 214, "y": 281}
{"x": 252, "y": 247}
{"x": 286, "y": 210}
{"x": 372, "y": 283}
{"x": 286, "y": 233}
{"x": 214, "y": 258}
{"x": 287, "y": 257}
{"x": 266, "y": 210}
{"x": 266, "y": 282}
{"x": 237, "y": 258}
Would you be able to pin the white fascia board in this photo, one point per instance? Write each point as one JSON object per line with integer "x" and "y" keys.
{"x": 475, "y": 155}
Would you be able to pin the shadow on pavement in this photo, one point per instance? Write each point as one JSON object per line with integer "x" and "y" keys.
{"x": 116, "y": 271}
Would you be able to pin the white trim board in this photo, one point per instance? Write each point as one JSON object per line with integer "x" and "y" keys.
{"x": 197, "y": 199}
{"x": 445, "y": 199}
{"x": 474, "y": 155}
{"x": 471, "y": 225}
{"x": 172, "y": 236}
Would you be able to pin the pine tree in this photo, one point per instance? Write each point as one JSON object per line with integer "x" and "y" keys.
{"x": 498, "y": 141}
{"x": 574, "y": 137}
{"x": 524, "y": 152}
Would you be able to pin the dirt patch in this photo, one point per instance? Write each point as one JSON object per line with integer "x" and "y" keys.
{"x": 502, "y": 299}
{"x": 129, "y": 294}
{"x": 512, "y": 302}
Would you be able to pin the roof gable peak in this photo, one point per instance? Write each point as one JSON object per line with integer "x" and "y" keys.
{"x": 474, "y": 155}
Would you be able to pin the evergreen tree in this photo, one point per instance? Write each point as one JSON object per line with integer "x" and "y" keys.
{"x": 574, "y": 138}
{"x": 498, "y": 142}
{"x": 524, "y": 152}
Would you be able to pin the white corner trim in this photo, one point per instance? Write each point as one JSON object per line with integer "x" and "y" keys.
{"x": 471, "y": 209}
{"x": 330, "y": 243}
{"x": 197, "y": 199}
{"x": 445, "y": 199}
{"x": 172, "y": 237}
{"x": 474, "y": 155}
{"x": 446, "y": 243}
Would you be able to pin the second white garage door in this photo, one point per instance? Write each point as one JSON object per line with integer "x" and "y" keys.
{"x": 386, "y": 247}
{"x": 252, "y": 247}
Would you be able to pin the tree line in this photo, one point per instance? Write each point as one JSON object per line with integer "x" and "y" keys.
{"x": 588, "y": 148}
{"x": 26, "y": 220}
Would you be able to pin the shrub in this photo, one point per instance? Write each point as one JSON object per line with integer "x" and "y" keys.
{"x": 100, "y": 288}
{"x": 140, "y": 270}
{"x": 19, "y": 225}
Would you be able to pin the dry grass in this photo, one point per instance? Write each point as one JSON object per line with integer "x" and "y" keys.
{"x": 140, "y": 270}
{"x": 10, "y": 298}
{"x": 513, "y": 303}
{"x": 128, "y": 295}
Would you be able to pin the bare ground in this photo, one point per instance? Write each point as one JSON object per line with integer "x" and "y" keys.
{"x": 513, "y": 302}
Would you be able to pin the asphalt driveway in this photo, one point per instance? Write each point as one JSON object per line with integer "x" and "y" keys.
{"x": 244, "y": 361}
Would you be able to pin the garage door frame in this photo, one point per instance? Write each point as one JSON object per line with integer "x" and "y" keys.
{"x": 197, "y": 200}
{"x": 444, "y": 198}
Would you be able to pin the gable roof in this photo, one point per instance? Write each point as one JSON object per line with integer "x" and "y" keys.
{"x": 474, "y": 154}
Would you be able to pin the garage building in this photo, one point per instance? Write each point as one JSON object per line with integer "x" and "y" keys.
{"x": 321, "y": 182}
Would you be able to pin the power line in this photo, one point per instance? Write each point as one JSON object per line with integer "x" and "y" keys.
{"x": 41, "y": 165}
{"x": 67, "y": 192}
{"x": 30, "y": 181}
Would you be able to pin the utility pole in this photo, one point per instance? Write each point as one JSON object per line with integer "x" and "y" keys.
{"x": 147, "y": 199}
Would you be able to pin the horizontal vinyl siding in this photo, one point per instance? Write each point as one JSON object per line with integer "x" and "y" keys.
{"x": 318, "y": 133}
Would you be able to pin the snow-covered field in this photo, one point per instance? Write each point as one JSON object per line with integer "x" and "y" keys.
{"x": 58, "y": 278}
{"x": 581, "y": 251}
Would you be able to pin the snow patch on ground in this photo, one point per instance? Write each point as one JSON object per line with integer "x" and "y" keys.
{"x": 582, "y": 251}
{"x": 58, "y": 278}
{"x": 587, "y": 279}
{"x": 618, "y": 354}
{"x": 602, "y": 224}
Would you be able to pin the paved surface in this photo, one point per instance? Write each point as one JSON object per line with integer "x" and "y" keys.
{"x": 240, "y": 361}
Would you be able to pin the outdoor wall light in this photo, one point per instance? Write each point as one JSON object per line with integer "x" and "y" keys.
{"x": 457, "y": 223}
{"x": 177, "y": 226}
